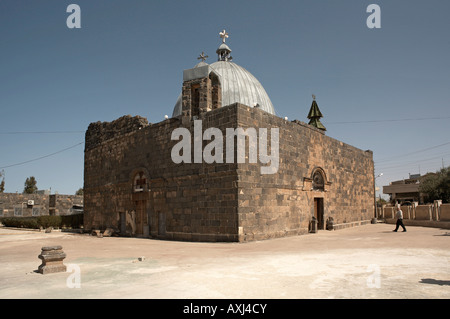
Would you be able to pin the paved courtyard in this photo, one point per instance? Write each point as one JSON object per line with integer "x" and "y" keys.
{"x": 363, "y": 262}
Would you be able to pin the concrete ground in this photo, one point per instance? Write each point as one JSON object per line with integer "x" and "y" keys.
{"x": 362, "y": 262}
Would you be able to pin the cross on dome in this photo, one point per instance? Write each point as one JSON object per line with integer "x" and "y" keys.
{"x": 224, "y": 51}
{"x": 202, "y": 57}
{"x": 223, "y": 35}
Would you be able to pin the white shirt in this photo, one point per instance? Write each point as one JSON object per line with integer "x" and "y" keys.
{"x": 399, "y": 214}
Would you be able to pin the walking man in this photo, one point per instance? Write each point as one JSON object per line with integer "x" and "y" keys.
{"x": 399, "y": 216}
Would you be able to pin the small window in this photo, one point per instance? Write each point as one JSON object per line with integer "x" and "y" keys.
{"x": 140, "y": 181}
{"x": 17, "y": 211}
{"x": 195, "y": 100}
{"x": 36, "y": 211}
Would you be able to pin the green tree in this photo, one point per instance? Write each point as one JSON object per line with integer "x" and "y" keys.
{"x": 2, "y": 183}
{"x": 437, "y": 185}
{"x": 30, "y": 186}
{"x": 79, "y": 191}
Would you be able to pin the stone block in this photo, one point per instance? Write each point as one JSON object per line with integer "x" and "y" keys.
{"x": 52, "y": 260}
{"x": 97, "y": 233}
{"x": 108, "y": 232}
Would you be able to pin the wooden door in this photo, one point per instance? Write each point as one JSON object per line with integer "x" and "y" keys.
{"x": 318, "y": 212}
{"x": 141, "y": 216}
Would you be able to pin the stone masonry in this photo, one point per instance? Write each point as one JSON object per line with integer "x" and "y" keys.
{"x": 283, "y": 204}
{"x": 132, "y": 185}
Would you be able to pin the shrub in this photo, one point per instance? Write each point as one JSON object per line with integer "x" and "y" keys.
{"x": 49, "y": 221}
{"x": 30, "y": 223}
{"x": 25, "y": 222}
{"x": 73, "y": 221}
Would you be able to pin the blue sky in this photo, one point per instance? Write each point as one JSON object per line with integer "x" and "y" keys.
{"x": 387, "y": 89}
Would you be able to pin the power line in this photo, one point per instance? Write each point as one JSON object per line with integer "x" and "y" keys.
{"x": 394, "y": 120}
{"x": 408, "y": 154}
{"x": 408, "y": 164}
{"x": 43, "y": 132}
{"x": 35, "y": 159}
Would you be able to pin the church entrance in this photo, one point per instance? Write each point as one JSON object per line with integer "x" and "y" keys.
{"x": 141, "y": 217}
{"x": 318, "y": 212}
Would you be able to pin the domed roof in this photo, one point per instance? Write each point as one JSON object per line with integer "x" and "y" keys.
{"x": 237, "y": 84}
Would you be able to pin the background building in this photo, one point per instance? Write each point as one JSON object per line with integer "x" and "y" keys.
{"x": 406, "y": 190}
{"x": 40, "y": 204}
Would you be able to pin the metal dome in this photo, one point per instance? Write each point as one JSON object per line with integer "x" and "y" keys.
{"x": 238, "y": 86}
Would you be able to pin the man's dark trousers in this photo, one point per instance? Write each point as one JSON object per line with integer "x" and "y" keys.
{"x": 400, "y": 223}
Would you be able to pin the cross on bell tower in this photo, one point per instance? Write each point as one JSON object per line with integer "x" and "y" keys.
{"x": 224, "y": 51}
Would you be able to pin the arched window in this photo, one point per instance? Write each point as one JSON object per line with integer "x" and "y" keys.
{"x": 216, "y": 96}
{"x": 140, "y": 182}
{"x": 318, "y": 180}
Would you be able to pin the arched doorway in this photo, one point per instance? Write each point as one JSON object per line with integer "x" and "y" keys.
{"x": 318, "y": 184}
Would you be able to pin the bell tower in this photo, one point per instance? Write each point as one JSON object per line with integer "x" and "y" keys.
{"x": 201, "y": 90}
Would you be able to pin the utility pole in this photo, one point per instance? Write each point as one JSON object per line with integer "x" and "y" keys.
{"x": 374, "y": 220}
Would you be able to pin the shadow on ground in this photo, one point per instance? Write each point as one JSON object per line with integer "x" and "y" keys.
{"x": 435, "y": 282}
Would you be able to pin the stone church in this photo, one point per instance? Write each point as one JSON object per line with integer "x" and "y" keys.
{"x": 135, "y": 185}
